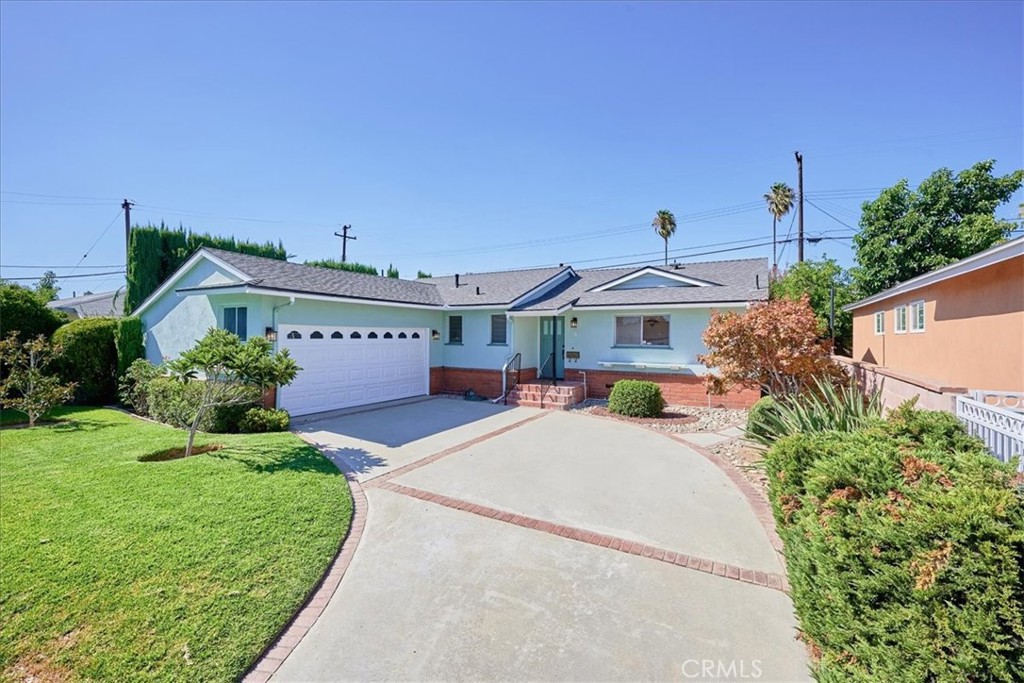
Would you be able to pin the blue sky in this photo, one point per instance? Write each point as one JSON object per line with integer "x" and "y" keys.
{"x": 469, "y": 137}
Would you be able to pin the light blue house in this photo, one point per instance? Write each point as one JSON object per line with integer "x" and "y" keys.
{"x": 363, "y": 339}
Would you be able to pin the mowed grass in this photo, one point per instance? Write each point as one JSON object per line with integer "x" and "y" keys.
{"x": 115, "y": 569}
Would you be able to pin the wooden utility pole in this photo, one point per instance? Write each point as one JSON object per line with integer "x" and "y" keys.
{"x": 800, "y": 214}
{"x": 127, "y": 206}
{"x": 344, "y": 240}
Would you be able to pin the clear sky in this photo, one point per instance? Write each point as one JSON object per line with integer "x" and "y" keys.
{"x": 479, "y": 136}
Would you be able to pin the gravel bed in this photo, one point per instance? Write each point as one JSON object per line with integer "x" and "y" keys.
{"x": 746, "y": 459}
{"x": 675, "y": 419}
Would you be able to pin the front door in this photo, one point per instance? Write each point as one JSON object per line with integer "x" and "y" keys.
{"x": 552, "y": 340}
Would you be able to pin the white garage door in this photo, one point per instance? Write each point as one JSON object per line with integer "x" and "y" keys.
{"x": 353, "y": 366}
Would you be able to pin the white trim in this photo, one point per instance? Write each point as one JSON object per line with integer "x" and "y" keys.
{"x": 989, "y": 257}
{"x": 657, "y": 307}
{"x": 184, "y": 268}
{"x": 283, "y": 293}
{"x": 543, "y": 287}
{"x": 540, "y": 313}
{"x": 914, "y": 329}
{"x": 896, "y": 319}
{"x": 641, "y": 345}
{"x": 651, "y": 270}
{"x": 879, "y": 333}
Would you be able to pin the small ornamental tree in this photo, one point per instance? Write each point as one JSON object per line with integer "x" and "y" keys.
{"x": 26, "y": 387}
{"x": 229, "y": 368}
{"x": 773, "y": 346}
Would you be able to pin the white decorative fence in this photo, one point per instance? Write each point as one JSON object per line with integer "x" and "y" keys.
{"x": 1002, "y": 430}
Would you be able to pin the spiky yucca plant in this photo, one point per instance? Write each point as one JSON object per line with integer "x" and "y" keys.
{"x": 826, "y": 408}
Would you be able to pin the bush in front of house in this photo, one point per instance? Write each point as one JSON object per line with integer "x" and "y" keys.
{"x": 636, "y": 398}
{"x": 89, "y": 358}
{"x": 129, "y": 343}
{"x": 133, "y": 388}
{"x": 24, "y": 312}
{"x": 258, "y": 420}
{"x": 904, "y": 543}
{"x": 175, "y": 403}
{"x": 758, "y": 416}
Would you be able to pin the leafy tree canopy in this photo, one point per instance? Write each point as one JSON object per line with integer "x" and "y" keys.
{"x": 422, "y": 274}
{"x": 349, "y": 266}
{"x": 907, "y": 232}
{"x": 815, "y": 279}
{"x": 26, "y": 386}
{"x": 46, "y": 288}
{"x": 22, "y": 311}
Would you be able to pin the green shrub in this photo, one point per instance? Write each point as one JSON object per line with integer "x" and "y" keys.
{"x": 821, "y": 409}
{"x": 758, "y": 415}
{"x": 264, "y": 420}
{"x": 22, "y": 311}
{"x": 636, "y": 398}
{"x": 175, "y": 403}
{"x": 89, "y": 357}
{"x": 129, "y": 343}
{"x": 134, "y": 383}
{"x": 904, "y": 543}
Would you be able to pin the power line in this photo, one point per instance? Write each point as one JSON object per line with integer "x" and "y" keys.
{"x": 24, "y": 267}
{"x": 831, "y": 216}
{"x": 67, "y": 277}
{"x": 57, "y": 196}
{"x": 788, "y": 233}
{"x": 89, "y": 250}
{"x": 148, "y": 208}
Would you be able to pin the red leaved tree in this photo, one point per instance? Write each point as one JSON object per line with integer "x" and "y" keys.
{"x": 774, "y": 346}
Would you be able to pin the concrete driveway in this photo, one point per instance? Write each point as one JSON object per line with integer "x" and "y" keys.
{"x": 515, "y": 544}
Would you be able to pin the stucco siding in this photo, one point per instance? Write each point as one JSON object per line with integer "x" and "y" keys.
{"x": 594, "y": 338}
{"x": 476, "y": 350}
{"x": 650, "y": 280}
{"x": 173, "y": 322}
{"x": 973, "y": 336}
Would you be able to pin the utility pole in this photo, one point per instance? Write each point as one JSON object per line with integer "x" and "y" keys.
{"x": 800, "y": 194}
{"x": 127, "y": 206}
{"x": 344, "y": 239}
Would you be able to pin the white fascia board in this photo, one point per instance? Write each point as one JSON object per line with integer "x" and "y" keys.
{"x": 651, "y": 270}
{"x": 284, "y": 293}
{"x": 201, "y": 254}
{"x": 541, "y": 313}
{"x": 656, "y": 306}
{"x": 989, "y": 257}
{"x": 546, "y": 286}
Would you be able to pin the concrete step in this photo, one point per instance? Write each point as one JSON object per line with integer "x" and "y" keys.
{"x": 547, "y": 405}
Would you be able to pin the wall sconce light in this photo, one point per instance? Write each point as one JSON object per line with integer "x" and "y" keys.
{"x": 271, "y": 334}
{"x": 574, "y": 323}
{"x": 435, "y": 335}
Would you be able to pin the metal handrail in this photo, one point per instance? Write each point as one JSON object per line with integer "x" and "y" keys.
{"x": 554, "y": 379}
{"x": 512, "y": 366}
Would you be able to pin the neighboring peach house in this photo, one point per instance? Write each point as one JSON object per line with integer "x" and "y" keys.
{"x": 954, "y": 329}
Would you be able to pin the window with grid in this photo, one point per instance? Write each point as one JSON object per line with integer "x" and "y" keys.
{"x": 880, "y": 322}
{"x": 900, "y": 313}
{"x": 455, "y": 329}
{"x": 236, "y": 320}
{"x": 917, "y": 316}
{"x": 499, "y": 330}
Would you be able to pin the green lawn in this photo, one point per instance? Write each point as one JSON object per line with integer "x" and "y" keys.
{"x": 115, "y": 569}
{"x": 9, "y": 416}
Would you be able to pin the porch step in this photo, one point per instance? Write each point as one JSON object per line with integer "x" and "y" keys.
{"x": 538, "y": 395}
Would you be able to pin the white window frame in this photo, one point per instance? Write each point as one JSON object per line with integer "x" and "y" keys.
{"x": 462, "y": 329}
{"x": 914, "y": 308}
{"x": 643, "y": 344}
{"x": 504, "y": 328}
{"x": 879, "y": 323}
{"x": 900, "y": 314}
{"x": 224, "y": 320}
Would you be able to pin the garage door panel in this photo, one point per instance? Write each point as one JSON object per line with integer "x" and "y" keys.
{"x": 346, "y": 372}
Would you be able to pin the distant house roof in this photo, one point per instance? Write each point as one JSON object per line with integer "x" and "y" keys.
{"x": 1001, "y": 252}
{"x": 530, "y": 290}
{"x": 98, "y": 305}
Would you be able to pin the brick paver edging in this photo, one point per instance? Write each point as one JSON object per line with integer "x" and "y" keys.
{"x": 387, "y": 476}
{"x": 702, "y": 564}
{"x": 282, "y": 646}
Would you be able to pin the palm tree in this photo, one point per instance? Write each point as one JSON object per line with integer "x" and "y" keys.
{"x": 780, "y": 201}
{"x": 665, "y": 225}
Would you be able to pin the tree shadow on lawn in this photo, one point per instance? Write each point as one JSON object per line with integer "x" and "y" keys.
{"x": 267, "y": 460}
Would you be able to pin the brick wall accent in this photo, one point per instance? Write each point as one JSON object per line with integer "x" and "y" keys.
{"x": 681, "y": 390}
{"x": 270, "y": 398}
{"x": 483, "y": 382}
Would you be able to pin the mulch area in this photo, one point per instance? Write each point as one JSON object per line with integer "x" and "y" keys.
{"x": 670, "y": 417}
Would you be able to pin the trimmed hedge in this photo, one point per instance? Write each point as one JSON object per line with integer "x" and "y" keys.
{"x": 89, "y": 357}
{"x": 129, "y": 343}
{"x": 636, "y": 398}
{"x": 22, "y": 311}
{"x": 757, "y": 416}
{"x": 257, "y": 420}
{"x": 904, "y": 543}
{"x": 175, "y": 403}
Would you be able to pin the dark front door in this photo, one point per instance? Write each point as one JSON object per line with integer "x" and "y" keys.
{"x": 552, "y": 340}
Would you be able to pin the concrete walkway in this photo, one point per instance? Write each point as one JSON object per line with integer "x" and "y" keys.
{"x": 544, "y": 546}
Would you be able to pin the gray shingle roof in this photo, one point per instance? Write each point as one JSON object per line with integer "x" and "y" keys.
{"x": 102, "y": 304}
{"x": 498, "y": 288}
{"x": 295, "y": 277}
{"x": 734, "y": 281}
{"x": 739, "y": 280}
